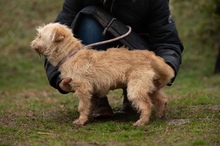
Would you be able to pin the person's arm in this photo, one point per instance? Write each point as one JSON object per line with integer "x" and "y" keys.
{"x": 66, "y": 16}
{"x": 53, "y": 77}
{"x": 69, "y": 11}
{"x": 163, "y": 35}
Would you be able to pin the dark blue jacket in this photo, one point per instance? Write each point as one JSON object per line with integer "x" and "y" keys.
{"x": 149, "y": 18}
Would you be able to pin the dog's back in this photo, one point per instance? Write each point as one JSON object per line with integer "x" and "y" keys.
{"x": 163, "y": 72}
{"x": 111, "y": 69}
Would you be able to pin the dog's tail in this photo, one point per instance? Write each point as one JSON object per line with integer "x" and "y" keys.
{"x": 164, "y": 73}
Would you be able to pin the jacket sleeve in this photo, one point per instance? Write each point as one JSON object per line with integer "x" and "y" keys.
{"x": 163, "y": 35}
{"x": 66, "y": 16}
{"x": 69, "y": 11}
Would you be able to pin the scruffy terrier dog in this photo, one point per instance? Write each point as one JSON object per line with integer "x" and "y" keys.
{"x": 97, "y": 72}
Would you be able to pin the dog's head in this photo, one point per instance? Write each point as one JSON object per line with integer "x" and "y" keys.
{"x": 49, "y": 36}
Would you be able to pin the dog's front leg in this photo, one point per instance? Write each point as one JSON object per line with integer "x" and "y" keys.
{"x": 84, "y": 107}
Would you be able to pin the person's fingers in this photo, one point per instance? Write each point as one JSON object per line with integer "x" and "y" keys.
{"x": 64, "y": 84}
{"x": 158, "y": 85}
{"x": 66, "y": 80}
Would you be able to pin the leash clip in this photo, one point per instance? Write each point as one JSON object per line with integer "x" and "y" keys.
{"x": 107, "y": 27}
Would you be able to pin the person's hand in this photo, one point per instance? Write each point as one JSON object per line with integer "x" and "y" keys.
{"x": 158, "y": 85}
{"x": 65, "y": 85}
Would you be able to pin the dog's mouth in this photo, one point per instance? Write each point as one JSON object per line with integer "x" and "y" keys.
{"x": 38, "y": 51}
{"x": 36, "y": 47}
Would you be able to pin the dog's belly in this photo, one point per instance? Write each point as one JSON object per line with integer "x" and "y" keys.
{"x": 118, "y": 86}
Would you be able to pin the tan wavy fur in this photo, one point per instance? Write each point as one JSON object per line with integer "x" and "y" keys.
{"x": 97, "y": 72}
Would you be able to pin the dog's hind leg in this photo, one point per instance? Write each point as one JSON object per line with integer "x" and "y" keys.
{"x": 140, "y": 101}
{"x": 138, "y": 94}
{"x": 160, "y": 102}
{"x": 85, "y": 104}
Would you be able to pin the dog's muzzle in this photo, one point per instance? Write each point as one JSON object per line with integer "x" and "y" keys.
{"x": 35, "y": 47}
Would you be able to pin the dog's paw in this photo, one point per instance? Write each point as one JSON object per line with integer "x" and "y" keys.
{"x": 161, "y": 115}
{"x": 161, "y": 112}
{"x": 79, "y": 122}
{"x": 139, "y": 123}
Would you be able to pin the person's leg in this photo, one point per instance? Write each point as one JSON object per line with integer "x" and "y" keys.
{"x": 90, "y": 31}
{"x": 126, "y": 105}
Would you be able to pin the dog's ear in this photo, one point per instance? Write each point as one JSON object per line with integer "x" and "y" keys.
{"x": 58, "y": 34}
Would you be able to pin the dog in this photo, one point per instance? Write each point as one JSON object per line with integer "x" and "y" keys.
{"x": 97, "y": 72}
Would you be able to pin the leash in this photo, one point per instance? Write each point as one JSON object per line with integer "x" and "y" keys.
{"x": 66, "y": 58}
{"x": 111, "y": 40}
{"x": 96, "y": 44}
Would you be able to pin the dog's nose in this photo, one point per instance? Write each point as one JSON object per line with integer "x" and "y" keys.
{"x": 32, "y": 44}
{"x": 35, "y": 47}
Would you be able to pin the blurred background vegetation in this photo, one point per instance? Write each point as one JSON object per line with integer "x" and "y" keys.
{"x": 208, "y": 29}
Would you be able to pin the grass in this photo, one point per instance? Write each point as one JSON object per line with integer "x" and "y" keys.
{"x": 33, "y": 113}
